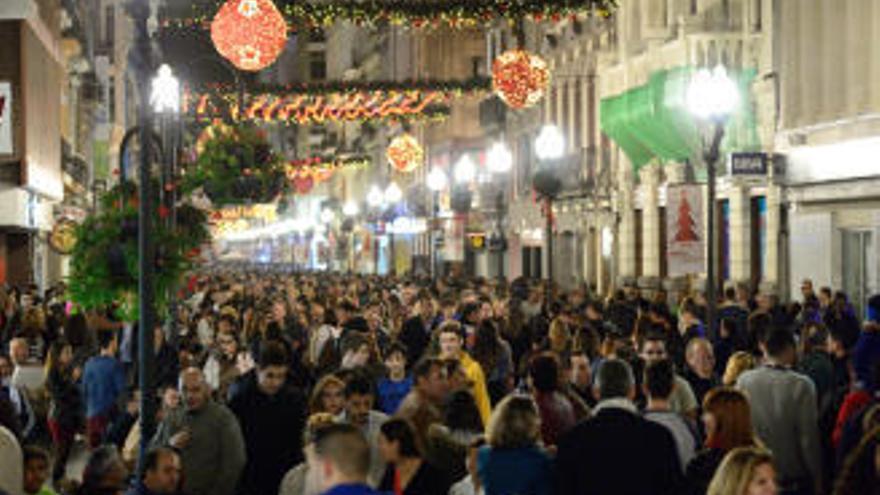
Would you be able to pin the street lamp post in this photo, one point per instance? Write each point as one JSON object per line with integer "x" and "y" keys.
{"x": 437, "y": 181}
{"x": 550, "y": 148}
{"x": 374, "y": 201}
{"x": 712, "y": 97}
{"x": 392, "y": 196}
{"x": 500, "y": 161}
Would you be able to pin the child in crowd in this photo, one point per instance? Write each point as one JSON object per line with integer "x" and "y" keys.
{"x": 36, "y": 471}
{"x": 396, "y": 385}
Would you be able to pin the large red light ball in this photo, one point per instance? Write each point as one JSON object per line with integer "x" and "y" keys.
{"x": 520, "y": 78}
{"x": 249, "y": 33}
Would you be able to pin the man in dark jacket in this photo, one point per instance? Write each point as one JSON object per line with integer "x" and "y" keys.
{"x": 272, "y": 417}
{"x": 617, "y": 451}
{"x": 416, "y": 332}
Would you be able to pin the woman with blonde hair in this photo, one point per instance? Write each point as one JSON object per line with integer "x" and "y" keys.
{"x": 739, "y": 363}
{"x": 514, "y": 461}
{"x": 727, "y": 419}
{"x": 745, "y": 471}
{"x": 328, "y": 396}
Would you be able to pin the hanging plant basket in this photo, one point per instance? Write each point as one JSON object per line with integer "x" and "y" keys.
{"x": 104, "y": 260}
{"x": 236, "y": 165}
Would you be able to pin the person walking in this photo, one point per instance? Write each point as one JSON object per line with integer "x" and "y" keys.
{"x": 785, "y": 415}
{"x": 341, "y": 461}
{"x": 407, "y": 472}
{"x": 103, "y": 386}
{"x": 65, "y": 416}
{"x": 272, "y": 416}
{"x": 208, "y": 437}
{"x": 617, "y": 451}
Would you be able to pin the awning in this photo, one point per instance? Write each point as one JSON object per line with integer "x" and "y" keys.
{"x": 652, "y": 122}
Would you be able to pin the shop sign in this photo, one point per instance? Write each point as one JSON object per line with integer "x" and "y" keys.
{"x": 477, "y": 241}
{"x": 754, "y": 164}
{"x": 5, "y": 118}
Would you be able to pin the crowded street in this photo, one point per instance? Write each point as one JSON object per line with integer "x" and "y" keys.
{"x": 439, "y": 247}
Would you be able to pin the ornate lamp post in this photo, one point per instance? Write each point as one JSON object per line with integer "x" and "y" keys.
{"x": 437, "y": 181}
{"x": 392, "y": 196}
{"x": 712, "y": 97}
{"x": 550, "y": 148}
{"x": 500, "y": 161}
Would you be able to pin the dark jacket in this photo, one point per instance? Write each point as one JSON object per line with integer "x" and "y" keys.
{"x": 700, "y": 471}
{"x": 619, "y": 452}
{"x": 66, "y": 404}
{"x": 272, "y": 427}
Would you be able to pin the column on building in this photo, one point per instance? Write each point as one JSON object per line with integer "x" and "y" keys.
{"x": 739, "y": 204}
{"x": 571, "y": 131}
{"x": 650, "y": 182}
{"x": 774, "y": 227}
{"x": 626, "y": 248}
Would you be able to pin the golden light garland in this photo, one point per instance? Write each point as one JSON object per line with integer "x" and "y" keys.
{"x": 316, "y": 109}
{"x": 405, "y": 153}
{"x": 520, "y": 78}
{"x": 249, "y": 33}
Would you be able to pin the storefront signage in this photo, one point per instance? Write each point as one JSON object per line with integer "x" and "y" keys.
{"x": 754, "y": 164}
{"x": 267, "y": 212}
{"x": 5, "y": 118}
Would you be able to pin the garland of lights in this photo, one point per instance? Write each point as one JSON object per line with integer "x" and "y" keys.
{"x": 319, "y": 170}
{"x": 316, "y": 109}
{"x": 423, "y": 14}
{"x": 454, "y": 87}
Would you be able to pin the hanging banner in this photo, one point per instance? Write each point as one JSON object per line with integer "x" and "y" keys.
{"x": 685, "y": 246}
{"x": 5, "y": 118}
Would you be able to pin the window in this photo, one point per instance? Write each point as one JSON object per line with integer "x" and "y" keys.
{"x": 109, "y": 26}
{"x": 478, "y": 66}
{"x": 757, "y": 7}
{"x": 694, "y": 7}
{"x": 317, "y": 66}
{"x": 111, "y": 99}
{"x": 758, "y": 237}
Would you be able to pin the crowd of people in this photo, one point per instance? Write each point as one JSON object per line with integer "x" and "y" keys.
{"x": 319, "y": 383}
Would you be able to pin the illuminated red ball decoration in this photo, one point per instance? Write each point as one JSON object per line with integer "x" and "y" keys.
{"x": 520, "y": 78}
{"x": 249, "y": 33}
{"x": 405, "y": 153}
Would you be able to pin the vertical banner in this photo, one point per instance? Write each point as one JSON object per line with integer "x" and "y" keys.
{"x": 5, "y": 118}
{"x": 684, "y": 224}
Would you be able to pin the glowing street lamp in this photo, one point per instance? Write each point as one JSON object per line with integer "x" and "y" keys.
{"x": 712, "y": 96}
{"x": 165, "y": 91}
{"x": 550, "y": 143}
{"x": 350, "y": 209}
{"x": 375, "y": 197}
{"x": 500, "y": 158}
{"x": 393, "y": 194}
{"x": 465, "y": 170}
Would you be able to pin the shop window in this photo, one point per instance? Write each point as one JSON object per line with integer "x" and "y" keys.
{"x": 758, "y": 238}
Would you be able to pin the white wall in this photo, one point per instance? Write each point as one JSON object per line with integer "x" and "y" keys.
{"x": 812, "y": 250}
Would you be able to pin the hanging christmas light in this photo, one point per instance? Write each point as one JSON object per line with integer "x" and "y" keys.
{"x": 405, "y": 153}
{"x": 520, "y": 78}
{"x": 249, "y": 33}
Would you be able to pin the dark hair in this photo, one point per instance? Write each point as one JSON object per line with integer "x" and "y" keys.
{"x": 34, "y": 452}
{"x": 653, "y": 335}
{"x": 469, "y": 309}
{"x": 396, "y": 347}
{"x": 486, "y": 347}
{"x": 358, "y": 384}
{"x": 659, "y": 379}
{"x": 614, "y": 379}
{"x": 347, "y": 305}
{"x": 462, "y": 412}
{"x": 76, "y": 329}
{"x": 730, "y": 293}
{"x": 778, "y": 341}
{"x": 101, "y": 462}
{"x": 353, "y": 341}
{"x": 424, "y": 366}
{"x": 346, "y": 447}
{"x": 106, "y": 337}
{"x": 272, "y": 353}
{"x": 450, "y": 326}
{"x": 151, "y": 460}
{"x": 401, "y": 431}
{"x": 813, "y": 335}
{"x": 544, "y": 371}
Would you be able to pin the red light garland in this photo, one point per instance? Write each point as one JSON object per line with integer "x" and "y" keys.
{"x": 520, "y": 78}
{"x": 405, "y": 153}
{"x": 249, "y": 33}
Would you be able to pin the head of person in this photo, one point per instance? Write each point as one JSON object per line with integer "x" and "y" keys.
{"x": 652, "y": 347}
{"x": 108, "y": 341}
{"x": 36, "y": 468}
{"x": 471, "y": 313}
{"x": 449, "y": 335}
{"x": 457, "y": 378}
{"x": 345, "y": 310}
{"x": 614, "y": 380}
{"x": 780, "y": 346}
{"x": 738, "y": 363}
{"x": 559, "y": 335}
{"x": 358, "y": 399}
{"x": 397, "y": 441}
{"x": 515, "y": 423}
{"x": 328, "y": 396}
{"x": 341, "y": 455}
{"x": 426, "y": 307}
{"x": 825, "y": 297}
{"x": 227, "y": 343}
{"x": 581, "y": 373}
{"x": 430, "y": 379}
{"x": 272, "y": 366}
{"x": 461, "y": 412}
{"x": 162, "y": 470}
{"x": 194, "y": 389}
{"x": 745, "y": 471}
{"x": 727, "y": 419}
{"x": 806, "y": 288}
{"x": 60, "y": 355}
{"x": 544, "y": 373}
{"x": 659, "y": 380}
{"x": 814, "y": 338}
{"x": 18, "y": 351}
{"x": 700, "y": 357}
{"x": 395, "y": 359}
{"x": 105, "y": 472}
{"x": 355, "y": 350}
{"x": 279, "y": 310}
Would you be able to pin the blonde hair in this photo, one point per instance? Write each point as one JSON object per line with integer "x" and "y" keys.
{"x": 738, "y": 363}
{"x": 515, "y": 423}
{"x": 316, "y": 401}
{"x": 737, "y": 470}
